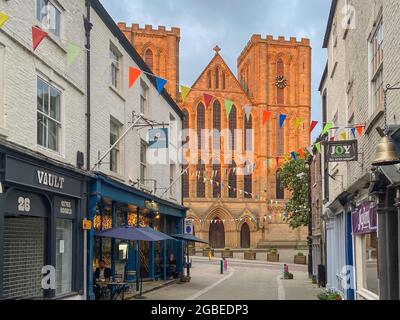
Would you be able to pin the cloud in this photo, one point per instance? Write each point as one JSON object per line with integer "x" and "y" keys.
{"x": 230, "y": 24}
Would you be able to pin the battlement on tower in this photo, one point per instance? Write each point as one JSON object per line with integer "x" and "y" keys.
{"x": 148, "y": 28}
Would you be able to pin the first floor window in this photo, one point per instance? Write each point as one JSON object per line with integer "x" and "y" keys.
{"x": 143, "y": 161}
{"x": 370, "y": 243}
{"x": 48, "y": 116}
{"x": 115, "y": 129}
{"x": 64, "y": 247}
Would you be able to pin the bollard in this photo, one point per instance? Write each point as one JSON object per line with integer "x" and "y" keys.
{"x": 225, "y": 265}
{"x": 222, "y": 266}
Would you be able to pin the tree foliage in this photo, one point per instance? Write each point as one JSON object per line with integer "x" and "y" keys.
{"x": 295, "y": 178}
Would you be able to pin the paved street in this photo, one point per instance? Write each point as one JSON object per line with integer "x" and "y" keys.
{"x": 244, "y": 281}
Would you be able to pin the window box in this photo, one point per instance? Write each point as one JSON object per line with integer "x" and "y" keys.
{"x": 300, "y": 259}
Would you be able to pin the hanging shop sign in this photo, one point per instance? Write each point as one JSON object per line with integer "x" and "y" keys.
{"x": 364, "y": 219}
{"x": 342, "y": 151}
{"x": 158, "y": 138}
{"x": 189, "y": 226}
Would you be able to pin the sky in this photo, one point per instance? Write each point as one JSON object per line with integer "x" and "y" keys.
{"x": 230, "y": 24}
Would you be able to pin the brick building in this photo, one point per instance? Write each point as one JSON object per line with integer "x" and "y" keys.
{"x": 232, "y": 206}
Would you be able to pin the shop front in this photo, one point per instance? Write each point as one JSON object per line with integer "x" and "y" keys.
{"x": 41, "y": 237}
{"x": 114, "y": 204}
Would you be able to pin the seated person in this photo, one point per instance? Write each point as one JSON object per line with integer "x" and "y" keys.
{"x": 102, "y": 274}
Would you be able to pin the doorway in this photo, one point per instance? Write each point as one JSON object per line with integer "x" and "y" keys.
{"x": 217, "y": 234}
{"x": 245, "y": 236}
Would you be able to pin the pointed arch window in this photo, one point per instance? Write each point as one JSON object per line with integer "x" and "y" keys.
{"x": 232, "y": 127}
{"x": 201, "y": 185}
{"x": 248, "y": 133}
{"x": 280, "y": 138}
{"x": 223, "y": 81}
{"x": 209, "y": 79}
{"x": 201, "y": 121}
{"x": 232, "y": 181}
{"x": 149, "y": 59}
{"x": 280, "y": 190}
{"x": 216, "y": 78}
{"x": 248, "y": 183}
{"x": 217, "y": 181}
{"x": 185, "y": 127}
{"x": 217, "y": 126}
{"x": 280, "y": 71}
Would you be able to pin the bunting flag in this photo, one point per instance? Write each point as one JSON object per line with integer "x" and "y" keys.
{"x": 360, "y": 130}
{"x": 277, "y": 161}
{"x": 301, "y": 152}
{"x": 265, "y": 163}
{"x": 353, "y": 132}
{"x": 185, "y": 92}
{"x": 72, "y": 52}
{"x": 327, "y": 127}
{"x": 247, "y": 111}
{"x": 344, "y": 135}
{"x": 318, "y": 146}
{"x": 266, "y": 116}
{"x": 3, "y": 18}
{"x": 310, "y": 150}
{"x": 298, "y": 122}
{"x": 37, "y": 37}
{"x": 294, "y": 156}
{"x": 332, "y": 139}
{"x": 160, "y": 84}
{"x": 228, "y": 107}
{"x": 282, "y": 119}
{"x": 133, "y": 76}
{"x": 313, "y": 125}
{"x": 271, "y": 162}
{"x": 207, "y": 99}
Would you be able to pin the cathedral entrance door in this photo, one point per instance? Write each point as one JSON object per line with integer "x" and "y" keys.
{"x": 217, "y": 235}
{"x": 245, "y": 236}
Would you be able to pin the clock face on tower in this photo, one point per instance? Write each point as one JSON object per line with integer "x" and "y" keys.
{"x": 281, "y": 82}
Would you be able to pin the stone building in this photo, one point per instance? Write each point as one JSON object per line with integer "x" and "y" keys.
{"x": 231, "y": 205}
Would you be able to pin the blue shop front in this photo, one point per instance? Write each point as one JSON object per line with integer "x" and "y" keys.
{"x": 113, "y": 204}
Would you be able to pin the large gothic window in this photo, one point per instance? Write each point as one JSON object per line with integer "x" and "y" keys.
{"x": 216, "y": 78}
{"x": 248, "y": 133}
{"x": 280, "y": 71}
{"x": 248, "y": 183}
{"x": 201, "y": 121}
{"x": 149, "y": 58}
{"x": 232, "y": 181}
{"x": 280, "y": 138}
{"x": 216, "y": 126}
{"x": 232, "y": 128}
{"x": 280, "y": 190}
{"x": 217, "y": 181}
{"x": 201, "y": 185}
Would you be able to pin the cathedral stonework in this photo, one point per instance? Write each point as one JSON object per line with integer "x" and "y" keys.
{"x": 233, "y": 190}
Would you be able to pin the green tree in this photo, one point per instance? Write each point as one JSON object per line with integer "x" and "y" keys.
{"x": 294, "y": 176}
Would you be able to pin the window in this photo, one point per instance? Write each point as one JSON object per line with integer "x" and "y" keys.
{"x": 115, "y": 131}
{"x": 144, "y": 94}
{"x": 64, "y": 261}
{"x": 217, "y": 126}
{"x": 280, "y": 138}
{"x": 209, "y": 79}
{"x": 172, "y": 179}
{"x": 232, "y": 127}
{"x": 217, "y": 78}
{"x": 223, "y": 81}
{"x": 201, "y": 120}
{"x": 143, "y": 160}
{"x": 232, "y": 181}
{"x": 350, "y": 102}
{"x": 148, "y": 58}
{"x": 48, "y": 116}
{"x": 248, "y": 134}
{"x": 216, "y": 176}
{"x": 185, "y": 182}
{"x": 280, "y": 190}
{"x": 201, "y": 185}
{"x": 376, "y": 67}
{"x": 49, "y": 16}
{"x": 248, "y": 183}
{"x": 370, "y": 243}
{"x": 115, "y": 57}
{"x": 185, "y": 127}
{"x": 280, "y": 71}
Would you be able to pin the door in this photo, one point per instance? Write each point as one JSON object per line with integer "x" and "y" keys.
{"x": 217, "y": 234}
{"x": 245, "y": 236}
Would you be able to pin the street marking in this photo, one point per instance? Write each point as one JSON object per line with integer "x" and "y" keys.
{"x": 281, "y": 289}
{"x": 205, "y": 290}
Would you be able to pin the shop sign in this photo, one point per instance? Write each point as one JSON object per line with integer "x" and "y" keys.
{"x": 64, "y": 206}
{"x": 341, "y": 151}
{"x": 189, "y": 226}
{"x": 158, "y": 138}
{"x": 25, "y": 203}
{"x": 364, "y": 219}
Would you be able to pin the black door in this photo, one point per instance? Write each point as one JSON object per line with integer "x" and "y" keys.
{"x": 217, "y": 234}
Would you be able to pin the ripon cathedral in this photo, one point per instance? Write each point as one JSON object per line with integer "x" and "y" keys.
{"x": 234, "y": 193}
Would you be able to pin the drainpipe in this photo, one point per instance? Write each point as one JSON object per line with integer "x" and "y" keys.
{"x": 88, "y": 28}
{"x": 397, "y": 205}
{"x": 310, "y": 227}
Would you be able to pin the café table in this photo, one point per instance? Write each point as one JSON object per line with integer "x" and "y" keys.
{"x": 117, "y": 290}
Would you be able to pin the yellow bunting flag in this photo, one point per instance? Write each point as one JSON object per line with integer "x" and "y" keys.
{"x": 344, "y": 135}
{"x": 3, "y": 18}
{"x": 298, "y": 122}
{"x": 185, "y": 92}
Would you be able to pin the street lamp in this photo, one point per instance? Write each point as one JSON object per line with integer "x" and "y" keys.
{"x": 386, "y": 153}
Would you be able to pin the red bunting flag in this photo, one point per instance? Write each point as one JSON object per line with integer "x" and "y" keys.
{"x": 360, "y": 130}
{"x": 133, "y": 76}
{"x": 313, "y": 125}
{"x": 301, "y": 152}
{"x": 277, "y": 161}
{"x": 332, "y": 139}
{"x": 266, "y": 116}
{"x": 37, "y": 37}
{"x": 207, "y": 99}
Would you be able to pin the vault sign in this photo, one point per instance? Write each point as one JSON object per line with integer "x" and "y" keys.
{"x": 340, "y": 151}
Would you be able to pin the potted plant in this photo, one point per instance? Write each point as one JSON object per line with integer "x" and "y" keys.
{"x": 207, "y": 251}
{"x": 288, "y": 276}
{"x": 330, "y": 294}
{"x": 273, "y": 255}
{"x": 227, "y": 253}
{"x": 300, "y": 258}
{"x": 250, "y": 255}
